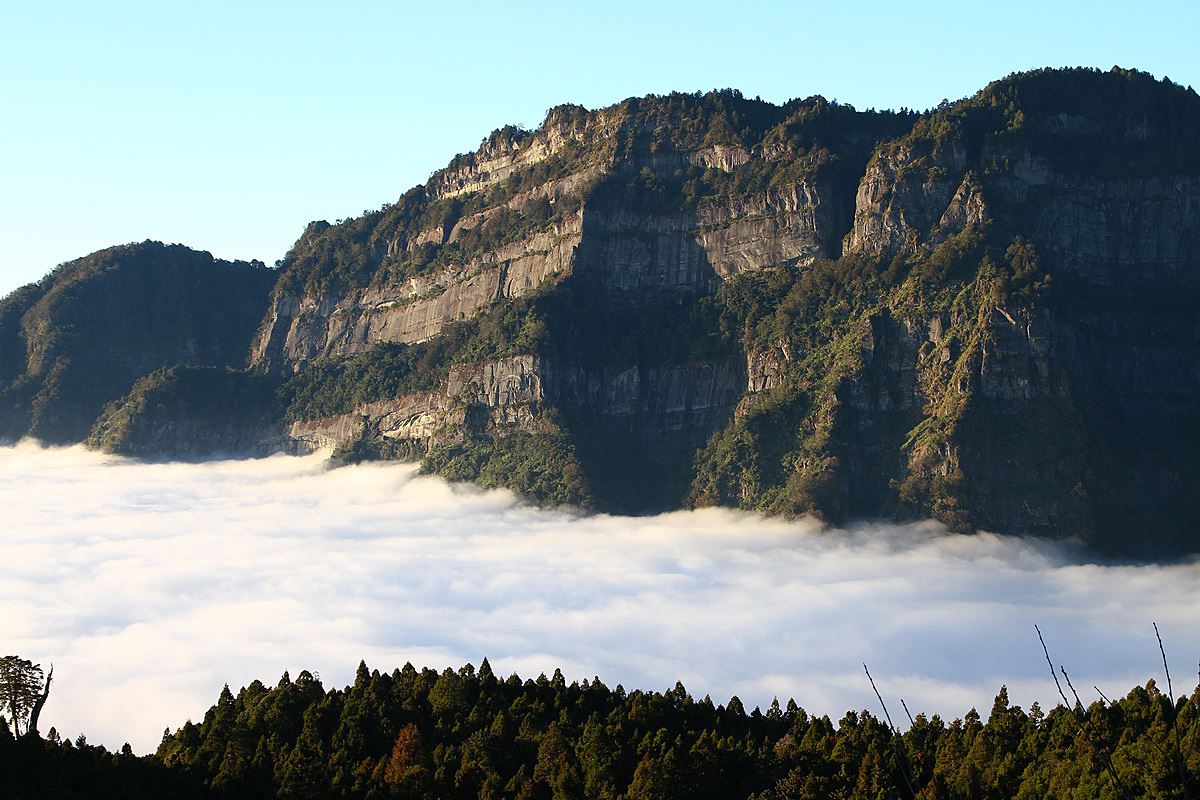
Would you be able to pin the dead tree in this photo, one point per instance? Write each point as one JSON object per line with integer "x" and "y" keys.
{"x": 36, "y": 711}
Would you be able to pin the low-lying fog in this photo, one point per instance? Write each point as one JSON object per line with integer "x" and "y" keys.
{"x": 150, "y": 586}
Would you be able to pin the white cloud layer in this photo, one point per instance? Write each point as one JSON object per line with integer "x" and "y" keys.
{"x": 149, "y": 586}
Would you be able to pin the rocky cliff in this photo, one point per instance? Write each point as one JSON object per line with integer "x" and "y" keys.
{"x": 983, "y": 314}
{"x": 1030, "y": 366}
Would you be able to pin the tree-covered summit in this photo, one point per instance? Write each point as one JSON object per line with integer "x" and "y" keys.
{"x": 81, "y": 336}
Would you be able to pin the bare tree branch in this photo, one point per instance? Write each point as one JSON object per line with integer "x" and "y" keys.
{"x": 1078, "y": 717}
{"x": 1172, "y": 715}
{"x": 911, "y": 721}
{"x": 901, "y": 751}
{"x": 1050, "y": 664}
{"x": 1078, "y": 702}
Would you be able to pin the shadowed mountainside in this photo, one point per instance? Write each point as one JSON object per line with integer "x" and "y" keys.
{"x": 82, "y": 336}
{"x": 982, "y": 314}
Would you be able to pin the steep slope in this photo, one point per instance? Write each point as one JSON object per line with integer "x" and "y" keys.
{"x": 1015, "y": 347}
{"x": 81, "y": 337}
{"x": 982, "y": 314}
{"x": 587, "y": 246}
{"x": 669, "y": 193}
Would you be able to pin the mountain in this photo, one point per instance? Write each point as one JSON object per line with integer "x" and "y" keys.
{"x": 85, "y": 333}
{"x": 983, "y": 314}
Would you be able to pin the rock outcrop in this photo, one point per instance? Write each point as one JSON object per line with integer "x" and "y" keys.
{"x": 982, "y": 314}
{"x": 321, "y": 324}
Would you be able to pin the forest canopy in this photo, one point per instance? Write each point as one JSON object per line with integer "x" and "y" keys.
{"x": 469, "y": 733}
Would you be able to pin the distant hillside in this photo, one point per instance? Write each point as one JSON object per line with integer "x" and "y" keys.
{"x": 983, "y": 314}
{"x": 82, "y": 336}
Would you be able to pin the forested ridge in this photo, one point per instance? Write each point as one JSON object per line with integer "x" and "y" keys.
{"x": 469, "y": 733}
{"x": 80, "y": 337}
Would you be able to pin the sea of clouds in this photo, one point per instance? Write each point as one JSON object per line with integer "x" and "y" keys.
{"x": 149, "y": 586}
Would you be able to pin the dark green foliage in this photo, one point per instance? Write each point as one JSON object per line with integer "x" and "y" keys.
{"x": 37, "y": 769}
{"x": 540, "y": 466}
{"x": 180, "y": 410}
{"x": 89, "y": 329}
{"x": 338, "y": 386}
{"x": 388, "y": 370}
{"x": 20, "y": 690}
{"x": 789, "y": 450}
{"x": 468, "y": 734}
{"x": 1123, "y": 122}
{"x": 13, "y": 355}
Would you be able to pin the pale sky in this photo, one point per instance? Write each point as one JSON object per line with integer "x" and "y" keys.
{"x": 228, "y": 126}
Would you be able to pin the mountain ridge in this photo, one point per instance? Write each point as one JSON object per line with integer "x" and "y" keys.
{"x": 981, "y": 314}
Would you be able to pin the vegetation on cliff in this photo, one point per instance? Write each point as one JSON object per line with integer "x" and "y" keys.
{"x": 542, "y": 466}
{"x": 80, "y": 337}
{"x": 190, "y": 411}
{"x": 962, "y": 371}
{"x": 936, "y": 315}
{"x": 331, "y": 386}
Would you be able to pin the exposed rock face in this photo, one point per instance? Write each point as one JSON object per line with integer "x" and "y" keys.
{"x": 985, "y": 314}
{"x": 509, "y": 151}
{"x": 1041, "y": 398}
{"x": 680, "y": 397}
{"x": 632, "y": 252}
{"x": 907, "y": 188}
{"x": 795, "y": 225}
{"x": 623, "y": 248}
{"x": 574, "y": 234}
{"x": 509, "y": 394}
{"x": 323, "y": 324}
{"x": 1115, "y": 233}
{"x": 529, "y": 209}
{"x": 1134, "y": 228}
{"x": 765, "y": 369}
{"x": 417, "y": 417}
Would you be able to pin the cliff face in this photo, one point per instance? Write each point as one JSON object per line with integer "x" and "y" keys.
{"x": 597, "y": 194}
{"x": 983, "y": 314}
{"x": 1050, "y": 385}
{"x": 320, "y": 324}
{"x": 81, "y": 337}
{"x": 643, "y": 419}
{"x": 606, "y": 229}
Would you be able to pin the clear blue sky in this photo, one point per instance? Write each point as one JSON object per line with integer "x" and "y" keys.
{"x": 228, "y": 126}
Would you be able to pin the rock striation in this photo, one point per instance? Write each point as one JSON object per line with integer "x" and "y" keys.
{"x": 982, "y": 314}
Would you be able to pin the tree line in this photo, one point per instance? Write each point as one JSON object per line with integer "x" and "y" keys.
{"x": 469, "y": 733}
